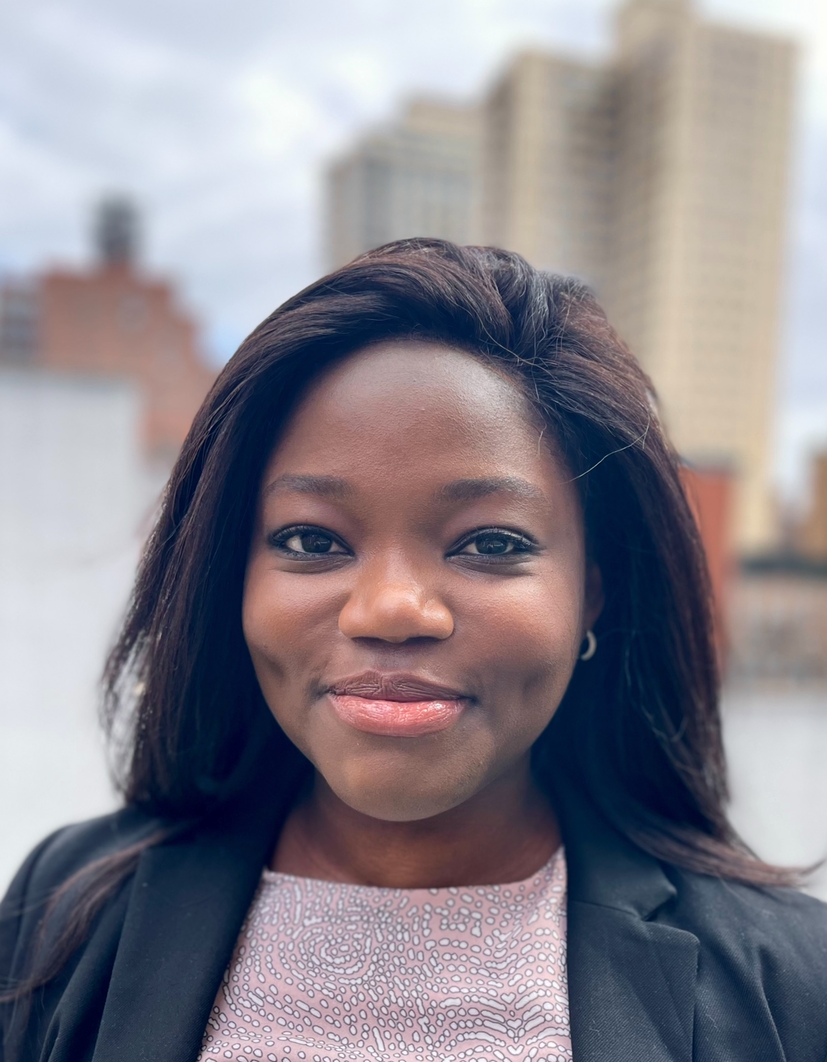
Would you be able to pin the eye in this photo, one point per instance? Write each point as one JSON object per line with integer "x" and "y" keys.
{"x": 494, "y": 543}
{"x": 307, "y": 542}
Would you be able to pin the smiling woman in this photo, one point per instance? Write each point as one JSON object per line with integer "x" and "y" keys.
{"x": 418, "y": 719}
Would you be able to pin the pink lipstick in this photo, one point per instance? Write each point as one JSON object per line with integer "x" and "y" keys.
{"x": 396, "y": 704}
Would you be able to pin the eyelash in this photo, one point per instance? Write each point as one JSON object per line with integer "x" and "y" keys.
{"x": 278, "y": 539}
{"x": 521, "y": 544}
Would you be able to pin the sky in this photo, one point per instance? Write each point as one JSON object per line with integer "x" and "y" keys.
{"x": 219, "y": 118}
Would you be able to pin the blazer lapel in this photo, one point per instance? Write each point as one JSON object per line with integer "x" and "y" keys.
{"x": 188, "y": 902}
{"x": 631, "y": 987}
{"x": 631, "y": 979}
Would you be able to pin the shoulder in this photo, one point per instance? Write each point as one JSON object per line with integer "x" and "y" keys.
{"x": 71, "y": 848}
{"x": 763, "y": 949}
{"x": 53, "y": 862}
{"x": 753, "y": 919}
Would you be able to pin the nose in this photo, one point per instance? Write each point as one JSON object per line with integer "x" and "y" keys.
{"x": 392, "y": 604}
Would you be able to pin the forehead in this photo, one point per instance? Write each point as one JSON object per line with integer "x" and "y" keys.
{"x": 414, "y": 410}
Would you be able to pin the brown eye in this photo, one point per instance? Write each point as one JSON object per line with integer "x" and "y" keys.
{"x": 495, "y": 544}
{"x": 310, "y": 542}
{"x": 490, "y": 545}
{"x": 307, "y": 542}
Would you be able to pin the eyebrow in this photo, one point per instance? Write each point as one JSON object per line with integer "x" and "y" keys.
{"x": 460, "y": 490}
{"x": 470, "y": 489}
{"x": 325, "y": 486}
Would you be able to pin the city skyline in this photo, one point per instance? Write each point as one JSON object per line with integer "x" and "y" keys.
{"x": 224, "y": 128}
{"x": 659, "y": 175}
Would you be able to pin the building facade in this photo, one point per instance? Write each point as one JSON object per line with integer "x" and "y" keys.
{"x": 660, "y": 177}
{"x": 702, "y": 133}
{"x": 416, "y": 177}
{"x": 546, "y": 176}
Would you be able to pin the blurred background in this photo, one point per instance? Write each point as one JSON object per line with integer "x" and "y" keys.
{"x": 169, "y": 173}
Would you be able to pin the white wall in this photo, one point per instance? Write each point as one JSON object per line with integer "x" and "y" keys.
{"x": 777, "y": 749}
{"x": 73, "y": 497}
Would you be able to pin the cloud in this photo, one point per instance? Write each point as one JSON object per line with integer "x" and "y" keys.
{"x": 219, "y": 120}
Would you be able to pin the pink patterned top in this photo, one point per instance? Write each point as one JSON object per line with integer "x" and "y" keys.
{"x": 326, "y": 972}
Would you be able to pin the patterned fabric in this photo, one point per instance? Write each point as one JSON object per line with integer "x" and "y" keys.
{"x": 326, "y": 972}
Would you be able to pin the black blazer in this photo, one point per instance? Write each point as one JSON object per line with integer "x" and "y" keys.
{"x": 664, "y": 965}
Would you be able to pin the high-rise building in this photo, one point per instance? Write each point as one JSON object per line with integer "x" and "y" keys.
{"x": 547, "y": 138}
{"x": 660, "y": 178}
{"x": 702, "y": 136}
{"x": 112, "y": 320}
{"x": 415, "y": 177}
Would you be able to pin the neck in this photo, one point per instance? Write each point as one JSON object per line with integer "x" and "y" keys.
{"x": 504, "y": 833}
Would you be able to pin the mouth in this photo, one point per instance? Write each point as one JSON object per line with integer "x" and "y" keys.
{"x": 394, "y": 704}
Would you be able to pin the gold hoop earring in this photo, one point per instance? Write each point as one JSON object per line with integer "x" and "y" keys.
{"x": 591, "y": 647}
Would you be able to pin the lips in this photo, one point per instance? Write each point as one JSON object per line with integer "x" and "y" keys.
{"x": 396, "y": 704}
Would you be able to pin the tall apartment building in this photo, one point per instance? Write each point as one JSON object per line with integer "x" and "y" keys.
{"x": 660, "y": 177}
{"x": 112, "y": 321}
{"x": 415, "y": 177}
{"x": 703, "y": 132}
{"x": 546, "y": 174}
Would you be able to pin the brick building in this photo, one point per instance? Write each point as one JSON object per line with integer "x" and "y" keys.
{"x": 812, "y": 534}
{"x": 112, "y": 320}
{"x": 710, "y": 494}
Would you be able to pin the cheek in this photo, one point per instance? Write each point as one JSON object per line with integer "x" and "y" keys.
{"x": 528, "y": 634}
{"x": 536, "y": 618}
{"x": 284, "y": 616}
{"x": 285, "y": 632}
{"x": 261, "y": 618}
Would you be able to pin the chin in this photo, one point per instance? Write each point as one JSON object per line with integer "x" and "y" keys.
{"x": 394, "y": 798}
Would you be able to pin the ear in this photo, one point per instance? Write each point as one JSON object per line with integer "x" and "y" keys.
{"x": 594, "y": 600}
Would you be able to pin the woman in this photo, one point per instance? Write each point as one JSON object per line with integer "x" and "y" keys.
{"x": 417, "y": 700}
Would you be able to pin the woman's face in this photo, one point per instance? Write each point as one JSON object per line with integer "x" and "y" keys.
{"x": 417, "y": 589}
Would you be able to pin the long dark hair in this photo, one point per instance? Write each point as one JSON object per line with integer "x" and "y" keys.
{"x": 639, "y": 726}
